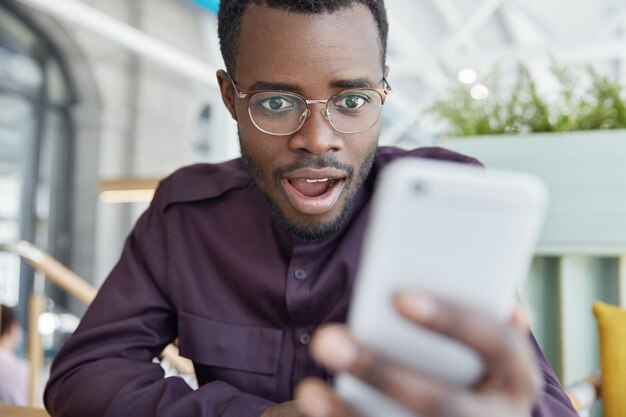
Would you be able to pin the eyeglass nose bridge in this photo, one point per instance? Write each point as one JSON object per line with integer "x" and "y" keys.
{"x": 325, "y": 111}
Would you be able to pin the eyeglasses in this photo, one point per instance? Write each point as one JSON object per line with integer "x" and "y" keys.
{"x": 283, "y": 113}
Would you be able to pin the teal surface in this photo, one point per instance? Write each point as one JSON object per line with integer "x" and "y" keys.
{"x": 585, "y": 173}
{"x": 581, "y": 256}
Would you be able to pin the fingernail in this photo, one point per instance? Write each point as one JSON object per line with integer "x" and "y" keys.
{"x": 522, "y": 318}
{"x": 334, "y": 348}
{"x": 418, "y": 306}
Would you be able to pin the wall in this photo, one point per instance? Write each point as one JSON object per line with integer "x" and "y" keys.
{"x": 134, "y": 117}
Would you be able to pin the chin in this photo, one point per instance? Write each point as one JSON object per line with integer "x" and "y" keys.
{"x": 317, "y": 228}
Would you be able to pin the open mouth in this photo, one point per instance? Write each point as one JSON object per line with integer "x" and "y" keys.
{"x": 313, "y": 192}
{"x": 312, "y": 187}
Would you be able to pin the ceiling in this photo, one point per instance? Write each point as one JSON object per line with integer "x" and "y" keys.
{"x": 424, "y": 36}
{"x": 480, "y": 34}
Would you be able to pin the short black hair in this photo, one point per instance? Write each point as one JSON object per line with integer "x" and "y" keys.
{"x": 231, "y": 12}
{"x": 7, "y": 318}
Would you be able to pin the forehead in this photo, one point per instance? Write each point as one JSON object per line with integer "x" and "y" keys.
{"x": 277, "y": 45}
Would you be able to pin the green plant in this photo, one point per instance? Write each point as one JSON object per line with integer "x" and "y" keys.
{"x": 520, "y": 108}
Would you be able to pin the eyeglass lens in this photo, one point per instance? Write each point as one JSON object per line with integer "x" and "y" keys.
{"x": 283, "y": 113}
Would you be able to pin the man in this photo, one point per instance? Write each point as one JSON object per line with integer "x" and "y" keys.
{"x": 13, "y": 370}
{"x": 244, "y": 261}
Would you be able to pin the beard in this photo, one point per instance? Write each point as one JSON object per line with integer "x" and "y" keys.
{"x": 314, "y": 230}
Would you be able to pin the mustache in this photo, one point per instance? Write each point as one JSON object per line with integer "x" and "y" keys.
{"x": 314, "y": 162}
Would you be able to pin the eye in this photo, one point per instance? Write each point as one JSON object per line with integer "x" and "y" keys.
{"x": 276, "y": 103}
{"x": 351, "y": 101}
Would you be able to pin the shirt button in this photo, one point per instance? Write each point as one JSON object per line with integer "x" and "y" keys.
{"x": 300, "y": 274}
{"x": 305, "y": 339}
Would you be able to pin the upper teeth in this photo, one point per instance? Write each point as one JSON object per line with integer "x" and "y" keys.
{"x": 320, "y": 180}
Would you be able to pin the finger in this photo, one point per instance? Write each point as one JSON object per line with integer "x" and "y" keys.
{"x": 315, "y": 398}
{"x": 334, "y": 347}
{"x": 487, "y": 336}
{"x": 520, "y": 319}
{"x": 505, "y": 351}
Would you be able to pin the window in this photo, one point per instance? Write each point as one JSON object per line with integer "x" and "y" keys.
{"x": 35, "y": 145}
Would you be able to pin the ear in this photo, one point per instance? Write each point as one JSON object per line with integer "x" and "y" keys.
{"x": 386, "y": 71}
{"x": 227, "y": 91}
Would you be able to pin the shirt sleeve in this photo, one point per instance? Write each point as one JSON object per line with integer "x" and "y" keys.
{"x": 106, "y": 368}
{"x": 553, "y": 402}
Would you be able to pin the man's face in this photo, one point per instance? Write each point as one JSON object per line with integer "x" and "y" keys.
{"x": 311, "y": 176}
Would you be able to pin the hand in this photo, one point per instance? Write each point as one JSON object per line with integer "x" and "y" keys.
{"x": 286, "y": 409}
{"x": 509, "y": 388}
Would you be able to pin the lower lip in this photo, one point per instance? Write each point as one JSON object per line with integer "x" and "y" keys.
{"x": 313, "y": 206}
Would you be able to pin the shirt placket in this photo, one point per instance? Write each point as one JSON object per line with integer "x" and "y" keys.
{"x": 300, "y": 279}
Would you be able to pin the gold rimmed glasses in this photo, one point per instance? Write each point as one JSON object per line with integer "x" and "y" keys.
{"x": 282, "y": 113}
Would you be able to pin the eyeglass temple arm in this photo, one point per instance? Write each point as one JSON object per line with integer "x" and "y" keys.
{"x": 240, "y": 94}
{"x": 387, "y": 86}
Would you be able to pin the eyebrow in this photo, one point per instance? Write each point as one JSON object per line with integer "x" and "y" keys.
{"x": 353, "y": 83}
{"x": 346, "y": 84}
{"x": 264, "y": 85}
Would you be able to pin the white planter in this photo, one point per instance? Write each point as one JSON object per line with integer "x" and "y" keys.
{"x": 586, "y": 175}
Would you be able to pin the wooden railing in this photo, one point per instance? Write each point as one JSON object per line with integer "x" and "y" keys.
{"x": 7, "y": 410}
{"x": 77, "y": 287}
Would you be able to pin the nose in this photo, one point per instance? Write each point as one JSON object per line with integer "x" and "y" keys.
{"x": 316, "y": 136}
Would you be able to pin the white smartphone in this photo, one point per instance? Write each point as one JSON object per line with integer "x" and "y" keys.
{"x": 461, "y": 232}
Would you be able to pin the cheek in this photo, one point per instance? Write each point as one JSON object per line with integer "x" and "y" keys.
{"x": 260, "y": 152}
{"x": 362, "y": 144}
{"x": 243, "y": 117}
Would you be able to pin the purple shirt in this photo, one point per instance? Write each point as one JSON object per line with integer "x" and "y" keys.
{"x": 206, "y": 263}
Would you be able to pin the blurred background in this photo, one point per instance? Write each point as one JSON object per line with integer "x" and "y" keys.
{"x": 101, "y": 98}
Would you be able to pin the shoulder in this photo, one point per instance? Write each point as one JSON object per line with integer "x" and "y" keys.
{"x": 201, "y": 182}
{"x": 387, "y": 154}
